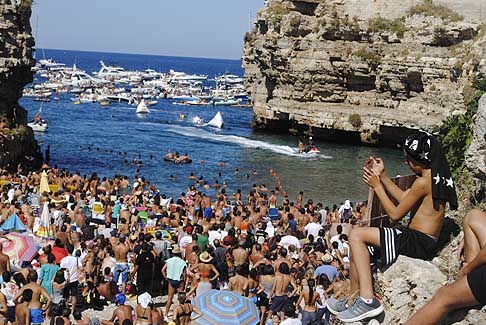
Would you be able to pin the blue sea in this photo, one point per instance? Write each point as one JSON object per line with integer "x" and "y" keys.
{"x": 229, "y": 155}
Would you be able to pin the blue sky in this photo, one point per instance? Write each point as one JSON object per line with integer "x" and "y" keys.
{"x": 198, "y": 28}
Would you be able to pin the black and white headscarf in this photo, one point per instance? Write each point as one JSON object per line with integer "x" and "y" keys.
{"x": 424, "y": 148}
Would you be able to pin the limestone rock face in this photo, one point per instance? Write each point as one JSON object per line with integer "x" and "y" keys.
{"x": 406, "y": 286}
{"x": 476, "y": 154}
{"x": 17, "y": 143}
{"x": 323, "y": 68}
{"x": 409, "y": 283}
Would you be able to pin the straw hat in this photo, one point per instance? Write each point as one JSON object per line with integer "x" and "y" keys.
{"x": 176, "y": 249}
{"x": 205, "y": 257}
{"x": 327, "y": 258}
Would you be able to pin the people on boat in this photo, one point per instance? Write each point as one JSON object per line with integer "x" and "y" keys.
{"x": 38, "y": 119}
{"x": 301, "y": 148}
{"x": 311, "y": 146}
{"x": 170, "y": 155}
{"x": 182, "y": 159}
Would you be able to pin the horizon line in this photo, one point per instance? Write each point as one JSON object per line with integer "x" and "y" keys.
{"x": 135, "y": 53}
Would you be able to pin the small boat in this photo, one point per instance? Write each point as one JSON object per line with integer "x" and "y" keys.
{"x": 226, "y": 102}
{"x": 142, "y": 108}
{"x": 38, "y": 126}
{"x": 310, "y": 152}
{"x": 151, "y": 103}
{"x": 42, "y": 99}
{"x": 105, "y": 102}
{"x": 217, "y": 121}
{"x": 174, "y": 160}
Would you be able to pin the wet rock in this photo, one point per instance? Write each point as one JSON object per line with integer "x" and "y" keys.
{"x": 17, "y": 141}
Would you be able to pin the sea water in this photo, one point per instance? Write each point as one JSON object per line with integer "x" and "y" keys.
{"x": 330, "y": 177}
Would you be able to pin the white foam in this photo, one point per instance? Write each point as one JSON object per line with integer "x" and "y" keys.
{"x": 241, "y": 141}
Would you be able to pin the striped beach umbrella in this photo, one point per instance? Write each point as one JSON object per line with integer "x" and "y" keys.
{"x": 19, "y": 247}
{"x": 225, "y": 308}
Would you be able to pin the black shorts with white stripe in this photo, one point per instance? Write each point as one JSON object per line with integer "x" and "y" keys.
{"x": 408, "y": 242}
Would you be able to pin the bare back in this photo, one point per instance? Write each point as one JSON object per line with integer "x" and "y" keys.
{"x": 121, "y": 252}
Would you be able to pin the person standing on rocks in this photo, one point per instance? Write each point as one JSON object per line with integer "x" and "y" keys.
{"x": 430, "y": 191}
{"x": 469, "y": 289}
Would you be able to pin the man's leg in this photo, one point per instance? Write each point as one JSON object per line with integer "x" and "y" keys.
{"x": 454, "y": 296}
{"x": 354, "y": 289}
{"x": 359, "y": 238}
{"x": 474, "y": 233}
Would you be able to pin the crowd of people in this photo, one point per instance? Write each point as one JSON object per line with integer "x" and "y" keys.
{"x": 120, "y": 240}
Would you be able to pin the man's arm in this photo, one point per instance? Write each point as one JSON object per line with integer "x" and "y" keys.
{"x": 379, "y": 166}
{"x": 18, "y": 295}
{"x": 412, "y": 197}
{"x": 392, "y": 188}
{"x": 48, "y": 298}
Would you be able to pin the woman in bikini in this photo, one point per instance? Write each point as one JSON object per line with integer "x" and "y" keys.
{"x": 183, "y": 311}
{"x": 205, "y": 269}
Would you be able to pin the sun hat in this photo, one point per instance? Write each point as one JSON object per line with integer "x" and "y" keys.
{"x": 176, "y": 249}
{"x": 327, "y": 258}
{"x": 205, "y": 257}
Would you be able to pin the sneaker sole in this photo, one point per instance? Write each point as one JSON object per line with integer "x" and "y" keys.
{"x": 334, "y": 312}
{"x": 370, "y": 314}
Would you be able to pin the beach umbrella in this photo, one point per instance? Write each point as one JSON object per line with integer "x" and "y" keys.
{"x": 13, "y": 223}
{"x": 44, "y": 183}
{"x": 225, "y": 308}
{"x": 19, "y": 247}
{"x": 45, "y": 222}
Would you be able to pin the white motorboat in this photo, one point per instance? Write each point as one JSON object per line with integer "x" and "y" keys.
{"x": 225, "y": 102}
{"x": 217, "y": 121}
{"x": 142, "y": 108}
{"x": 40, "y": 126}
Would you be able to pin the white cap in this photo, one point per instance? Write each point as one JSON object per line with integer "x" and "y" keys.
{"x": 347, "y": 204}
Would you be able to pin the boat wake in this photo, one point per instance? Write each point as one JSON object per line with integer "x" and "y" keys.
{"x": 241, "y": 141}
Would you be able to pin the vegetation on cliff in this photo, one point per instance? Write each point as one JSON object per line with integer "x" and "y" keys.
{"x": 428, "y": 8}
{"x": 396, "y": 26}
{"x": 456, "y": 133}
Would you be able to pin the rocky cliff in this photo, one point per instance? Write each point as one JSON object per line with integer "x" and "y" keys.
{"x": 351, "y": 70}
{"x": 17, "y": 143}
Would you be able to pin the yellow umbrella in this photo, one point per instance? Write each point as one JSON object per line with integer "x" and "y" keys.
{"x": 44, "y": 183}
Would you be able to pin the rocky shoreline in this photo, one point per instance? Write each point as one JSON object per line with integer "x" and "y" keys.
{"x": 313, "y": 68}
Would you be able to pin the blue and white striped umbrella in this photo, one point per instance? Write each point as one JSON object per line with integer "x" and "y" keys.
{"x": 225, "y": 308}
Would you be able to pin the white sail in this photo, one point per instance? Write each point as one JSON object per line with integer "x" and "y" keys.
{"x": 217, "y": 121}
{"x": 142, "y": 108}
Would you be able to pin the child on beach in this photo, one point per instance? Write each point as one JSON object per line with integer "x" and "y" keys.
{"x": 430, "y": 191}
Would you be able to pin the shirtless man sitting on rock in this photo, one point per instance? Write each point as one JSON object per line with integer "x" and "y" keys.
{"x": 430, "y": 191}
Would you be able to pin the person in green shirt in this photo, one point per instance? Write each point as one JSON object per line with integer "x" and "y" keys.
{"x": 202, "y": 240}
